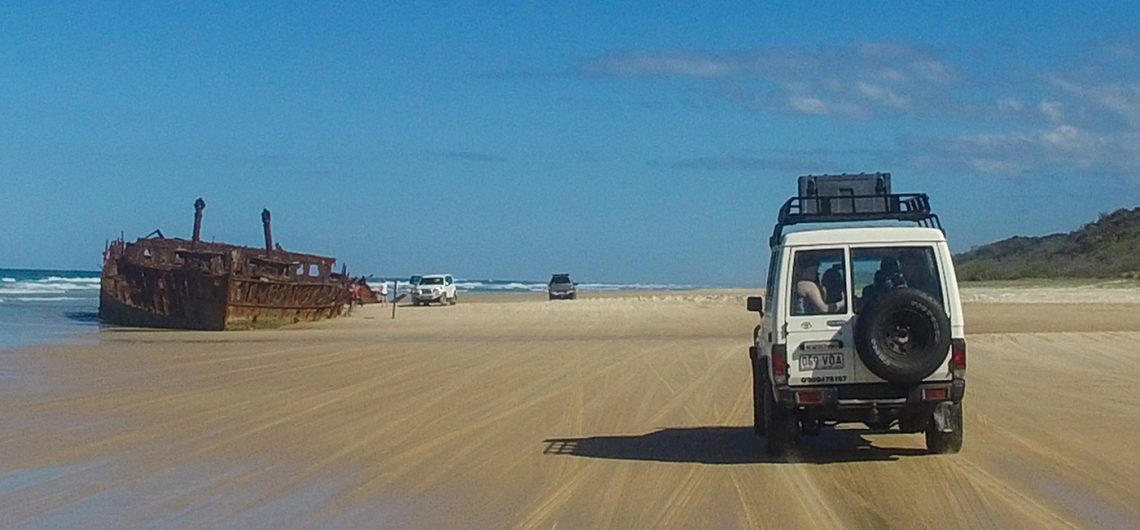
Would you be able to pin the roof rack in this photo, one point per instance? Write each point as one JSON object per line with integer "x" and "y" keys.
{"x": 846, "y": 208}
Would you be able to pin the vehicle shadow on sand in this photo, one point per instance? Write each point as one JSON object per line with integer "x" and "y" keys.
{"x": 726, "y": 445}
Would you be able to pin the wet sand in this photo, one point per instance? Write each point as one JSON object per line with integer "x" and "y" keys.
{"x": 628, "y": 410}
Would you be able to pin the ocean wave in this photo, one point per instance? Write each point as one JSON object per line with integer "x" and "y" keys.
{"x": 37, "y": 288}
{"x": 48, "y": 285}
{"x": 504, "y": 286}
{"x": 46, "y": 299}
{"x": 63, "y": 279}
{"x": 636, "y": 287}
{"x": 7, "y": 279}
{"x": 535, "y": 286}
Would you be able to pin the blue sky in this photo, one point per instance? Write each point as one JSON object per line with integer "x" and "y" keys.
{"x": 616, "y": 141}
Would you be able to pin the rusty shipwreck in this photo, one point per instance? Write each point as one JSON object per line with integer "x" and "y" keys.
{"x": 191, "y": 284}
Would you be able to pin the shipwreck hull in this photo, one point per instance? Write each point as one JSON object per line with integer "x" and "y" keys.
{"x": 155, "y": 298}
{"x": 175, "y": 283}
{"x": 267, "y": 303}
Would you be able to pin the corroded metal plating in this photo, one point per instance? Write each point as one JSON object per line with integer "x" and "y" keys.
{"x": 190, "y": 284}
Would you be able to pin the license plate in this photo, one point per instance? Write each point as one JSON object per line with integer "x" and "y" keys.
{"x": 821, "y": 361}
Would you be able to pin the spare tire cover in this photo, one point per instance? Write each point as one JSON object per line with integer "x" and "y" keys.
{"x": 903, "y": 336}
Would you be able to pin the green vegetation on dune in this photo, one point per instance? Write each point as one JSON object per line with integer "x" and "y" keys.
{"x": 1052, "y": 283}
{"x": 1106, "y": 248}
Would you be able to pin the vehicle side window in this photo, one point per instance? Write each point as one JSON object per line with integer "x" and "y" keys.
{"x": 819, "y": 284}
{"x": 773, "y": 271}
{"x": 877, "y": 270}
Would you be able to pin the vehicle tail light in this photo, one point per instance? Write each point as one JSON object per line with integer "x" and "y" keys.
{"x": 935, "y": 394}
{"x": 810, "y": 397}
{"x": 780, "y": 363}
{"x": 958, "y": 356}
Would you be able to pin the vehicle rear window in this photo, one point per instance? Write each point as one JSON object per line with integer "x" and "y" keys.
{"x": 818, "y": 284}
{"x": 874, "y": 270}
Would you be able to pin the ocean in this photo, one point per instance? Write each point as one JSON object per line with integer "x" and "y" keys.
{"x": 47, "y": 306}
{"x": 55, "y": 306}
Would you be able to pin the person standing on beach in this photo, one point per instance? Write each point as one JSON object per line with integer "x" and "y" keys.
{"x": 353, "y": 297}
{"x": 384, "y": 293}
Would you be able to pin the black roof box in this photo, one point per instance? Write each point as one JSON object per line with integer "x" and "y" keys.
{"x": 851, "y": 197}
{"x": 835, "y": 193}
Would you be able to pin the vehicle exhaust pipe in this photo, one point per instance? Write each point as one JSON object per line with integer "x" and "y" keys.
{"x": 268, "y": 229}
{"x": 199, "y": 205}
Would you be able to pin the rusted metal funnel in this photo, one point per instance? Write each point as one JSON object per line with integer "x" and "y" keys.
{"x": 199, "y": 205}
{"x": 268, "y": 229}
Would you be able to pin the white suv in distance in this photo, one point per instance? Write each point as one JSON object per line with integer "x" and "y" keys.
{"x": 561, "y": 287}
{"x": 435, "y": 288}
{"x": 859, "y": 324}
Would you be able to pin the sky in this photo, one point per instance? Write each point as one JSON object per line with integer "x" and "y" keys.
{"x": 616, "y": 141}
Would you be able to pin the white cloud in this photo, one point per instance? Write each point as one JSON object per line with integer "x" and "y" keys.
{"x": 1120, "y": 99}
{"x": 996, "y": 167}
{"x": 808, "y": 104}
{"x": 1068, "y": 138}
{"x": 1010, "y": 105}
{"x": 935, "y": 71}
{"x": 893, "y": 75}
{"x": 1060, "y": 148}
{"x": 1054, "y": 111}
{"x": 647, "y": 64}
{"x": 882, "y": 50}
{"x": 858, "y": 82}
{"x": 1013, "y": 122}
{"x": 882, "y": 95}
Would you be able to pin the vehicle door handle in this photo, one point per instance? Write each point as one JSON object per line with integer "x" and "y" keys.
{"x": 836, "y": 323}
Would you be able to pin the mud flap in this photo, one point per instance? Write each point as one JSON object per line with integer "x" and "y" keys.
{"x": 944, "y": 418}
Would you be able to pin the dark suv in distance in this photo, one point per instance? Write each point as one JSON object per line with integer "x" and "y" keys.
{"x": 561, "y": 287}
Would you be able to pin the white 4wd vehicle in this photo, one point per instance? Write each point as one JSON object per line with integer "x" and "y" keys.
{"x": 859, "y": 324}
{"x": 435, "y": 288}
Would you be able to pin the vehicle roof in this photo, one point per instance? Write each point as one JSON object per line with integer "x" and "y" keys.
{"x": 434, "y": 275}
{"x": 865, "y": 234}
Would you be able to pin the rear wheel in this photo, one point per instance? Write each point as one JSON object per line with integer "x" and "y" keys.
{"x": 758, "y": 389}
{"x": 780, "y": 425}
{"x": 944, "y": 431}
{"x": 454, "y": 299}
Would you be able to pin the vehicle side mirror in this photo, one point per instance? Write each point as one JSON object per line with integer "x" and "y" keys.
{"x": 756, "y": 304}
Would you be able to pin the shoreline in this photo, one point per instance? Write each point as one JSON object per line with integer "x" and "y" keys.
{"x": 1109, "y": 306}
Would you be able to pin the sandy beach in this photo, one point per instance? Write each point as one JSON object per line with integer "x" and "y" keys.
{"x": 622, "y": 410}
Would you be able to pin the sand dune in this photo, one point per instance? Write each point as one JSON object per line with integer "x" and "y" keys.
{"x": 624, "y": 410}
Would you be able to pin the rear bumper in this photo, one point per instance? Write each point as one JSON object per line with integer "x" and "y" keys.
{"x": 562, "y": 295}
{"x": 865, "y": 402}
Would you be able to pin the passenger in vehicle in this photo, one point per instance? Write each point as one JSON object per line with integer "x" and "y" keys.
{"x": 888, "y": 277}
{"x": 918, "y": 274}
{"x": 833, "y": 285}
{"x": 807, "y": 296}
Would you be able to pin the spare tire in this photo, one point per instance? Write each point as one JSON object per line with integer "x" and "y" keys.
{"x": 903, "y": 335}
